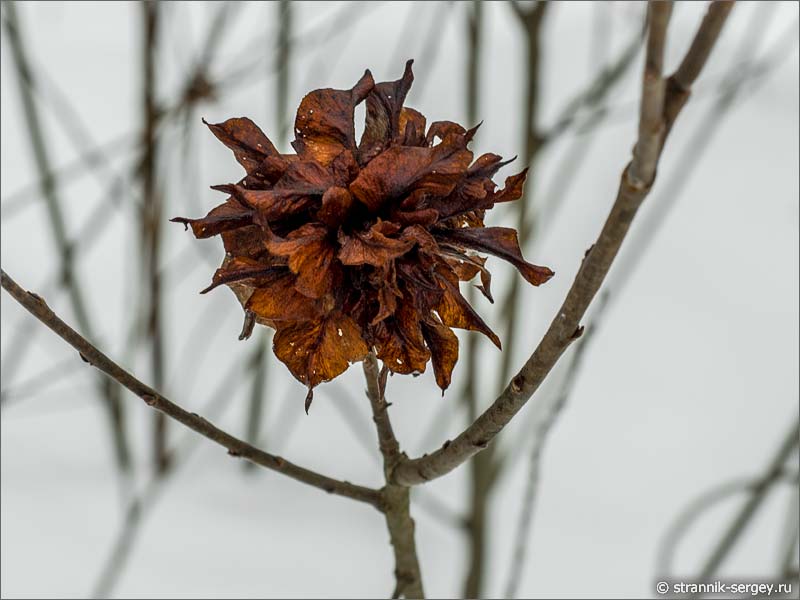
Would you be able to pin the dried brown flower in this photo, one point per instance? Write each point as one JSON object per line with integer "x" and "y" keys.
{"x": 347, "y": 247}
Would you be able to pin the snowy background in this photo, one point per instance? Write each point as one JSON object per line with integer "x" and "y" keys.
{"x": 692, "y": 380}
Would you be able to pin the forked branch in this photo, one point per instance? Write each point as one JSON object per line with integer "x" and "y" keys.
{"x": 635, "y": 185}
{"x": 396, "y": 504}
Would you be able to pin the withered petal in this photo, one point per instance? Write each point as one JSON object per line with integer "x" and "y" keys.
{"x": 249, "y": 144}
{"x": 384, "y": 106}
{"x": 224, "y": 217}
{"x": 442, "y": 129}
{"x": 412, "y": 127}
{"x": 240, "y": 269}
{"x": 279, "y": 300}
{"x": 399, "y": 342}
{"x": 467, "y": 266}
{"x": 324, "y": 123}
{"x": 403, "y": 169}
{"x": 272, "y": 205}
{"x": 513, "y": 188}
{"x": 455, "y": 311}
{"x": 443, "y": 345}
{"x": 499, "y": 241}
{"x": 311, "y": 257}
{"x": 336, "y": 203}
{"x": 372, "y": 247}
{"x": 305, "y": 177}
{"x": 319, "y": 350}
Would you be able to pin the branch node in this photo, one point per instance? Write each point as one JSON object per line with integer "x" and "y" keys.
{"x": 518, "y": 383}
{"x": 578, "y": 332}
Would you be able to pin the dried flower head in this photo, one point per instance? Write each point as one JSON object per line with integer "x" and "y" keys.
{"x": 345, "y": 247}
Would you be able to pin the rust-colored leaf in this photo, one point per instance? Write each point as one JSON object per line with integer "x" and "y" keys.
{"x": 311, "y": 257}
{"x": 324, "y": 123}
{"x": 403, "y": 169}
{"x": 455, "y": 311}
{"x": 336, "y": 203}
{"x": 501, "y": 242}
{"x": 372, "y": 247}
{"x": 249, "y": 144}
{"x": 280, "y": 301}
{"x": 512, "y": 189}
{"x": 224, "y": 217}
{"x": 384, "y": 106}
{"x": 399, "y": 342}
{"x": 412, "y": 127}
{"x": 243, "y": 269}
{"x": 319, "y": 350}
{"x": 443, "y": 345}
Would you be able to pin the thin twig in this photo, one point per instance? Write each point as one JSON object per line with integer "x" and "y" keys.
{"x": 479, "y": 488}
{"x": 236, "y": 447}
{"x": 396, "y": 502}
{"x": 699, "y": 506}
{"x": 259, "y": 365}
{"x": 563, "y": 330}
{"x": 376, "y": 385}
{"x": 749, "y": 508}
{"x": 151, "y": 218}
{"x": 651, "y": 124}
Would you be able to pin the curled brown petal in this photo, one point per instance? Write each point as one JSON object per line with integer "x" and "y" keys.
{"x": 372, "y": 247}
{"x": 324, "y": 123}
{"x": 499, "y": 241}
{"x": 311, "y": 258}
{"x": 224, "y": 217}
{"x": 319, "y": 350}
{"x": 249, "y": 144}
{"x": 403, "y": 169}
{"x": 443, "y": 345}
{"x": 384, "y": 106}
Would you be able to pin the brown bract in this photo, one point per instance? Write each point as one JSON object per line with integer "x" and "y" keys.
{"x": 348, "y": 247}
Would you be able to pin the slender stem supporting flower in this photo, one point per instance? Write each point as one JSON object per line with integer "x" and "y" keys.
{"x": 395, "y": 498}
{"x": 565, "y": 327}
{"x": 236, "y": 447}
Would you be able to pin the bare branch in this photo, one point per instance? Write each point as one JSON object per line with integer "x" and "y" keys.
{"x": 699, "y": 506}
{"x": 376, "y": 382}
{"x": 396, "y": 504}
{"x": 772, "y": 474}
{"x": 703, "y": 43}
{"x": 651, "y": 126}
{"x": 680, "y": 84}
{"x": 236, "y": 447}
{"x": 563, "y": 330}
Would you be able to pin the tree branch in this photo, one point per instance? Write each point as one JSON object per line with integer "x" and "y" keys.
{"x": 396, "y": 499}
{"x": 680, "y": 84}
{"x": 759, "y": 492}
{"x": 236, "y": 447}
{"x": 651, "y": 125}
{"x": 563, "y": 330}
